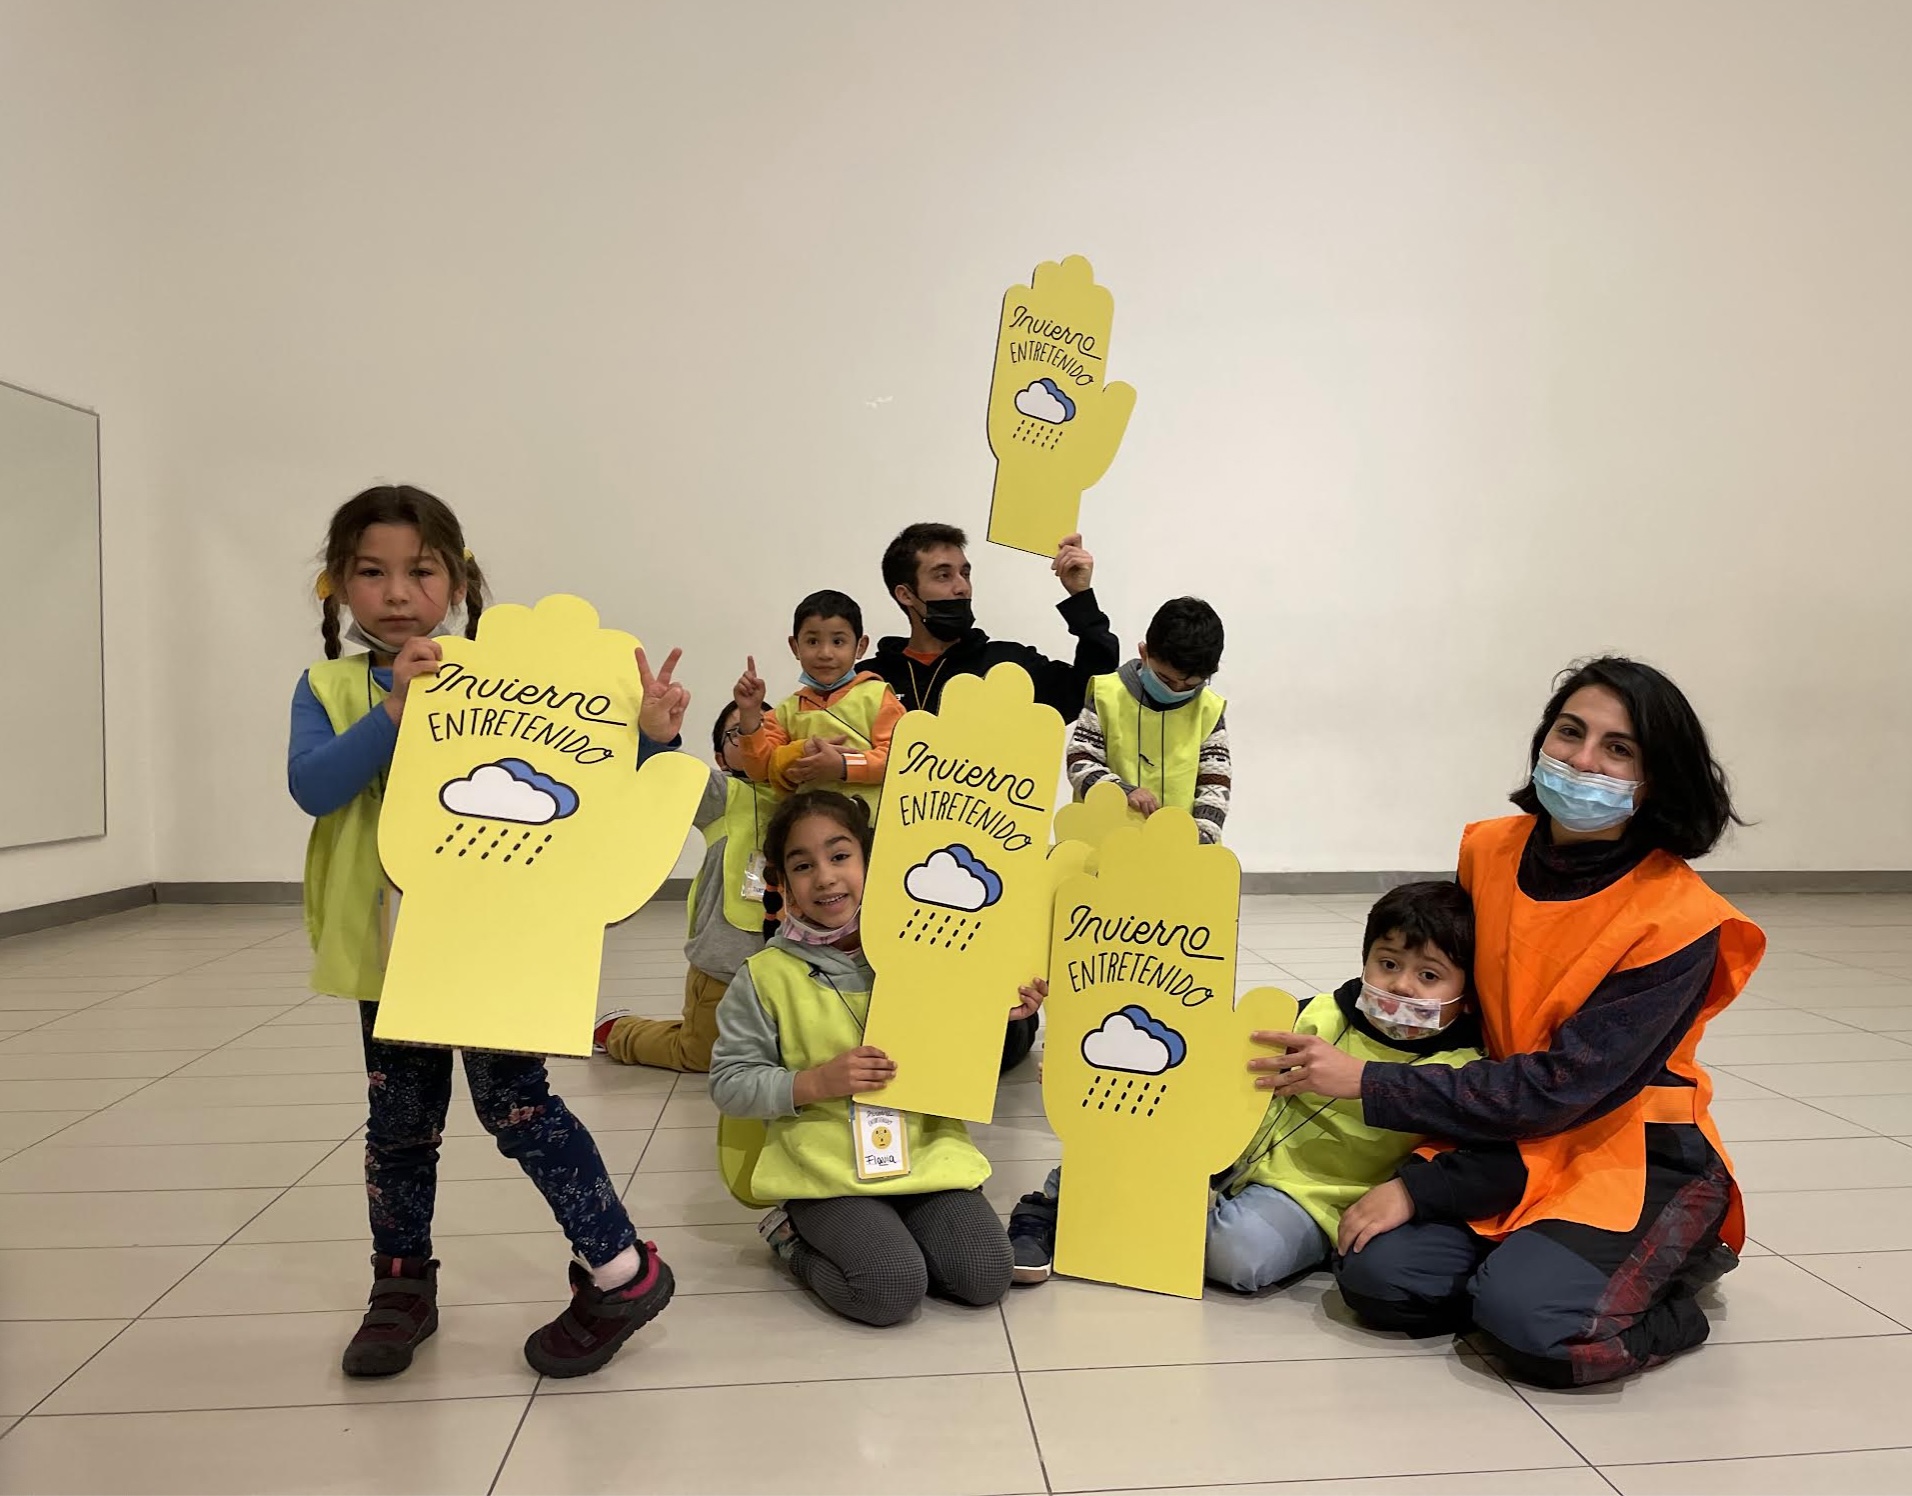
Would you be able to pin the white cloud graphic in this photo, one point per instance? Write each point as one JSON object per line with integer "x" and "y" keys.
{"x": 941, "y": 880}
{"x": 492, "y": 793}
{"x": 1120, "y": 1045}
{"x": 1039, "y": 402}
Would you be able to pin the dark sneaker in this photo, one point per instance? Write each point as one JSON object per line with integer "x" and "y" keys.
{"x": 1032, "y": 1238}
{"x": 599, "y": 1320}
{"x": 400, "y": 1315}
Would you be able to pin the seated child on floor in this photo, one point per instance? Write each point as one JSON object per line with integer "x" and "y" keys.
{"x": 1296, "y": 1194}
{"x": 881, "y": 1206}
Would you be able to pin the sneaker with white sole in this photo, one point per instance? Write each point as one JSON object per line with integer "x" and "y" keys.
{"x": 601, "y": 1031}
{"x": 1032, "y": 1238}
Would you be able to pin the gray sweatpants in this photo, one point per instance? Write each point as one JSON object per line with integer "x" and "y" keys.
{"x": 873, "y": 1257}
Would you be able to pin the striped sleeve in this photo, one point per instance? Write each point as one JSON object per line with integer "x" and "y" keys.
{"x": 1087, "y": 763}
{"x": 1214, "y": 778}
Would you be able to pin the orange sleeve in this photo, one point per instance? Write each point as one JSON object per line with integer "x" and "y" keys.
{"x": 753, "y": 751}
{"x": 867, "y": 767}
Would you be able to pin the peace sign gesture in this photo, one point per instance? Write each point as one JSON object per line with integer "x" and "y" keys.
{"x": 749, "y": 693}
{"x": 660, "y": 717}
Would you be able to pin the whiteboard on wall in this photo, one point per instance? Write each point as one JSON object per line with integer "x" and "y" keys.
{"x": 52, "y": 667}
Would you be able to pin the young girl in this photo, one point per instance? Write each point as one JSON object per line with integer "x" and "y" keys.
{"x": 396, "y": 558}
{"x": 882, "y": 1206}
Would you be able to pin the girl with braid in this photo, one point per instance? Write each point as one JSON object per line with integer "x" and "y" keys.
{"x": 396, "y": 566}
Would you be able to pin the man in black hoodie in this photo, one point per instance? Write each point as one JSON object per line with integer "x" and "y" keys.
{"x": 927, "y": 574}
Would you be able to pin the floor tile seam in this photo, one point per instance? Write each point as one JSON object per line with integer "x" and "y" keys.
{"x": 1732, "y": 1459}
{"x": 367, "y": 1402}
{"x": 1848, "y": 1293}
{"x": 1022, "y": 1391}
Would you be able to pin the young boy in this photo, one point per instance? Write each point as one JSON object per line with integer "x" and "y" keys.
{"x": 835, "y": 730}
{"x": 726, "y": 921}
{"x": 1278, "y": 1209}
{"x": 1155, "y": 728}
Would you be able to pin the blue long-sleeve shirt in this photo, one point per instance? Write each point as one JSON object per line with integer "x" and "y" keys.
{"x": 325, "y": 769}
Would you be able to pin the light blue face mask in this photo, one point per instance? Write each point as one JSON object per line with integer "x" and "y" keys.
{"x": 806, "y": 678}
{"x": 1160, "y": 694}
{"x": 1581, "y": 801}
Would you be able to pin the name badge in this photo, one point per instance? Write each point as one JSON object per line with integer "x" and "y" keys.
{"x": 753, "y": 884}
{"x": 882, "y": 1146}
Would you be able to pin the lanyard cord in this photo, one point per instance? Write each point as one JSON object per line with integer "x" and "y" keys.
{"x": 922, "y": 702}
{"x": 862, "y": 1019}
{"x": 1258, "y": 1148}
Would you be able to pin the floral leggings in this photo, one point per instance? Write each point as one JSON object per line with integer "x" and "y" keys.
{"x": 409, "y": 1090}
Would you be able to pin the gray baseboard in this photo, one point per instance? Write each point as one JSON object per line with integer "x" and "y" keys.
{"x": 1303, "y": 884}
{"x": 71, "y": 911}
{"x": 228, "y": 893}
{"x": 115, "y": 901}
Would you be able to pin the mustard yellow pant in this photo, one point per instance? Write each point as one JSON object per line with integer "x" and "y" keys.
{"x": 673, "y": 1043}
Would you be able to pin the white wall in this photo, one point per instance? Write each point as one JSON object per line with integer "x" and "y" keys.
{"x": 1469, "y": 338}
{"x": 73, "y": 314}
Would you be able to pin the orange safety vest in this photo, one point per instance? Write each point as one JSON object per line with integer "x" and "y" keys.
{"x": 1535, "y": 964}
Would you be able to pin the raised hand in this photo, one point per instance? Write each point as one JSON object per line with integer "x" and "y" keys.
{"x": 1073, "y": 565}
{"x": 660, "y": 714}
{"x": 748, "y": 693}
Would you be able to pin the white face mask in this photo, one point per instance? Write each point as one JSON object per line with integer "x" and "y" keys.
{"x": 1399, "y": 1017}
{"x": 366, "y": 640}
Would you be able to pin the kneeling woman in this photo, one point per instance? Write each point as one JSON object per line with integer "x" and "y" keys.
{"x": 869, "y": 1226}
{"x": 1600, "y": 956}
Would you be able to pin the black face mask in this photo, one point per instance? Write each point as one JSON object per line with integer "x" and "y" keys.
{"x": 948, "y": 618}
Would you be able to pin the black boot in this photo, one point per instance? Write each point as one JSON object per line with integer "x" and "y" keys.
{"x": 402, "y": 1312}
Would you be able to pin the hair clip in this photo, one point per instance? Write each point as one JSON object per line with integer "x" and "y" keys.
{"x": 322, "y": 588}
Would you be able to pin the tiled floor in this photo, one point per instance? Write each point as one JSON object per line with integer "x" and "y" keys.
{"x": 182, "y": 1255}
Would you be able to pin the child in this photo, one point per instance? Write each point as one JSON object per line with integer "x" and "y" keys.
{"x": 396, "y": 557}
{"x": 881, "y": 1206}
{"x": 836, "y": 728}
{"x": 1279, "y": 1208}
{"x": 726, "y": 921}
{"x": 1155, "y": 728}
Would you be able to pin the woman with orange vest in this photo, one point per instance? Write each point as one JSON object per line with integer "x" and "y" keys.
{"x": 1600, "y": 957}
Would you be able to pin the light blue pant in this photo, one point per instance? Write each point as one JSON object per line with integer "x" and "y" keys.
{"x": 1260, "y": 1237}
{"x": 1255, "y": 1238}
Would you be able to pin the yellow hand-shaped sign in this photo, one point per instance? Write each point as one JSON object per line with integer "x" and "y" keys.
{"x": 957, "y": 902}
{"x": 1053, "y": 423}
{"x": 517, "y": 826}
{"x": 1091, "y": 820}
{"x": 1145, "y": 1075}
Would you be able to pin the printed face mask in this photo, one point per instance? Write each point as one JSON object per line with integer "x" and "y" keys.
{"x": 1399, "y": 1017}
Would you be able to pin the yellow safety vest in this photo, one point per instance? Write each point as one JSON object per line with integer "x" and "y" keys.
{"x": 1323, "y": 1154}
{"x": 747, "y": 812}
{"x": 345, "y": 885}
{"x": 852, "y": 716}
{"x": 1155, "y": 750}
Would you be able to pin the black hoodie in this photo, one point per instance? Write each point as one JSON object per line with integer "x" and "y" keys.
{"x": 1063, "y": 686}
